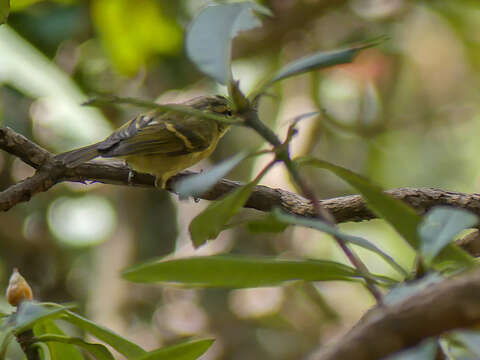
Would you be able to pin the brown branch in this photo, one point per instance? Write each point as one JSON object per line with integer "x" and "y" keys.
{"x": 263, "y": 198}
{"x": 18, "y": 145}
{"x": 442, "y": 307}
{"x": 452, "y": 304}
{"x": 471, "y": 243}
{"x": 41, "y": 181}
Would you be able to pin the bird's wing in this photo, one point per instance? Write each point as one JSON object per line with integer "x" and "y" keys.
{"x": 155, "y": 134}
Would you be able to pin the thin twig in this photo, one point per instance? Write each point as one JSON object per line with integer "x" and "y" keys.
{"x": 252, "y": 121}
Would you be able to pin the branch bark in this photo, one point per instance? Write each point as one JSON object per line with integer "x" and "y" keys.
{"x": 263, "y": 198}
{"x": 449, "y": 305}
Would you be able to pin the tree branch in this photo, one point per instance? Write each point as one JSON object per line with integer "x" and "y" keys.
{"x": 442, "y": 307}
{"x": 263, "y": 198}
{"x": 446, "y": 306}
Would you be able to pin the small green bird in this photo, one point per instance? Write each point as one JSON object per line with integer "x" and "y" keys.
{"x": 159, "y": 142}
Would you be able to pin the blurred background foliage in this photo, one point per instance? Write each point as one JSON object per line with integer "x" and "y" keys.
{"x": 404, "y": 114}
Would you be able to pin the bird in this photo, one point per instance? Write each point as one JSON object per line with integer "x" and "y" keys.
{"x": 161, "y": 142}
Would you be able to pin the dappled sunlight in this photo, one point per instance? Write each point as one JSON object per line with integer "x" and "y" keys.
{"x": 83, "y": 221}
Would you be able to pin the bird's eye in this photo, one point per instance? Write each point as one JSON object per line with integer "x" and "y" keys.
{"x": 228, "y": 112}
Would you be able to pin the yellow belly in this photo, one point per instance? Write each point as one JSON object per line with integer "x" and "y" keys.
{"x": 163, "y": 166}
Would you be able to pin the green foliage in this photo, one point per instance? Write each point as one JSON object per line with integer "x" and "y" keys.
{"x": 470, "y": 341}
{"x": 427, "y": 350}
{"x": 208, "y": 41}
{"x": 122, "y": 345}
{"x": 188, "y": 350}
{"x": 57, "y": 350}
{"x": 238, "y": 271}
{"x": 31, "y": 312}
{"x": 56, "y": 345}
{"x": 324, "y": 227}
{"x": 198, "y": 184}
{"x": 210, "y": 222}
{"x": 99, "y": 351}
{"x": 267, "y": 224}
{"x": 321, "y": 60}
{"x": 439, "y": 227}
{"x": 133, "y": 31}
{"x": 395, "y": 212}
{"x": 44, "y": 350}
{"x": 403, "y": 291}
{"x": 4, "y": 10}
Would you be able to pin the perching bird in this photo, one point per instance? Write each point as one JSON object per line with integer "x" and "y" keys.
{"x": 159, "y": 142}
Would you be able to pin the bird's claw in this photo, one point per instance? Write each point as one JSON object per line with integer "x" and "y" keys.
{"x": 131, "y": 176}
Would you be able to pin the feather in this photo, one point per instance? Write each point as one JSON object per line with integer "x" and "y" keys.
{"x": 78, "y": 156}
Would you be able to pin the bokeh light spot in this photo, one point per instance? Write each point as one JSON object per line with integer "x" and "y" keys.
{"x": 83, "y": 221}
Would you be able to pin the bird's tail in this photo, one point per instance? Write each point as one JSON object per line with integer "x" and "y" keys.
{"x": 78, "y": 156}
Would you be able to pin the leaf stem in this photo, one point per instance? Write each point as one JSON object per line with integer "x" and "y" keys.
{"x": 282, "y": 151}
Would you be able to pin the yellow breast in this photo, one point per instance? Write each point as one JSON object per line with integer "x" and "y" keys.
{"x": 164, "y": 166}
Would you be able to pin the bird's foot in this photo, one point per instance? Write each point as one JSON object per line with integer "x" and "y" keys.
{"x": 130, "y": 178}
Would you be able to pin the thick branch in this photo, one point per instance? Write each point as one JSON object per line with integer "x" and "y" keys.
{"x": 452, "y": 304}
{"x": 263, "y": 198}
{"x": 18, "y": 145}
{"x": 443, "y": 307}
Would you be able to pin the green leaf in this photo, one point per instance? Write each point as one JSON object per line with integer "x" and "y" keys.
{"x": 209, "y": 38}
{"x": 7, "y": 338}
{"x": 57, "y": 351}
{"x": 268, "y": 223}
{"x": 4, "y": 10}
{"x": 439, "y": 227}
{"x": 322, "y": 59}
{"x": 99, "y": 351}
{"x": 470, "y": 339}
{"x": 189, "y": 350}
{"x": 210, "y": 222}
{"x": 322, "y": 226}
{"x": 238, "y": 271}
{"x": 405, "y": 290}
{"x": 426, "y": 350}
{"x": 45, "y": 351}
{"x": 198, "y": 184}
{"x": 398, "y": 214}
{"x": 30, "y": 312}
{"x": 135, "y": 31}
{"x": 122, "y": 345}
